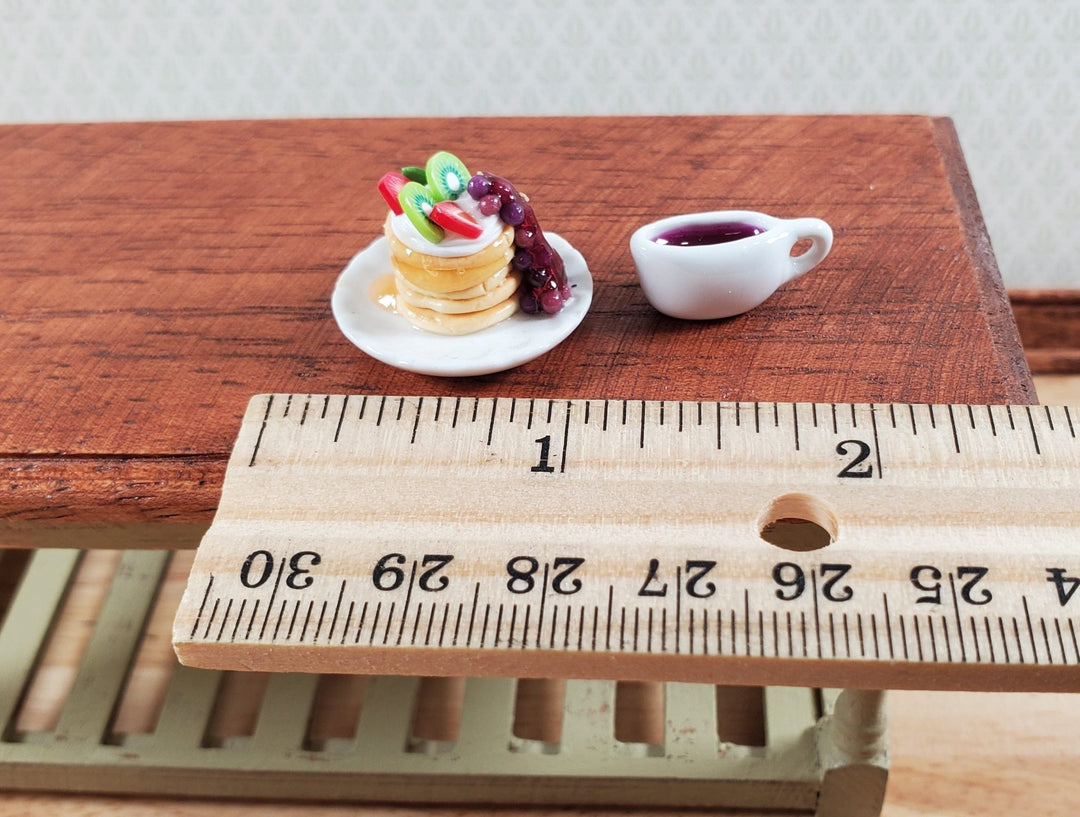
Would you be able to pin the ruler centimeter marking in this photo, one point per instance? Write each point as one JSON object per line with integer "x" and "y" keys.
{"x": 775, "y": 543}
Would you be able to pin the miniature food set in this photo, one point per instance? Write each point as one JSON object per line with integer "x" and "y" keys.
{"x": 463, "y": 280}
{"x": 467, "y": 250}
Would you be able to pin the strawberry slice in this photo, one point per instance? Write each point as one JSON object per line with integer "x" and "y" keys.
{"x": 389, "y": 186}
{"x": 449, "y": 215}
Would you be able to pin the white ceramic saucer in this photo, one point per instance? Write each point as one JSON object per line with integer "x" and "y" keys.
{"x": 393, "y": 340}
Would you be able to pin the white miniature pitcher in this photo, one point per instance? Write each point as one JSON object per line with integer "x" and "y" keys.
{"x": 702, "y": 266}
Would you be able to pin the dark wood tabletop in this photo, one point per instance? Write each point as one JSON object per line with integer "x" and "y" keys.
{"x": 154, "y": 276}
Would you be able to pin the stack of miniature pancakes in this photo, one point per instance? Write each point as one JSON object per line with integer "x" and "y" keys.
{"x": 467, "y": 286}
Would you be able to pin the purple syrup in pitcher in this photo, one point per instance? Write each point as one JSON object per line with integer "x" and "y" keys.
{"x": 699, "y": 235}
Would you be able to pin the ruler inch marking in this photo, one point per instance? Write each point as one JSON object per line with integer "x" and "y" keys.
{"x": 408, "y": 599}
{"x": 210, "y": 621}
{"x": 319, "y": 624}
{"x": 273, "y": 598}
{"x": 445, "y": 619}
{"x": 491, "y": 421}
{"x": 678, "y": 608}
{"x": 746, "y": 618}
{"x": 390, "y": 622}
{"x": 430, "y": 624}
{"x": 498, "y": 625}
{"x": 337, "y": 611}
{"x": 989, "y": 638}
{"x": 341, "y": 418}
{"x": 817, "y": 612}
{"x": 360, "y": 623}
{"x": 224, "y": 620}
{"x": 251, "y": 621}
{"x": 1034, "y": 434}
{"x": 610, "y": 608}
{"x": 202, "y": 605}
{"x": 566, "y": 437}
{"x": 484, "y": 625}
{"x": 239, "y": 618}
{"x": 543, "y": 603}
{"x": 1019, "y": 641}
{"x": 1061, "y": 640}
{"x": 375, "y": 622}
{"x": 416, "y": 622}
{"x": 955, "y": 430}
{"x": 877, "y": 442}
{"x": 888, "y": 626}
{"x": 348, "y": 620}
{"x": 416, "y": 421}
{"x": 956, "y": 613}
{"x": 262, "y": 430}
{"x": 1031, "y": 629}
{"x": 457, "y": 624}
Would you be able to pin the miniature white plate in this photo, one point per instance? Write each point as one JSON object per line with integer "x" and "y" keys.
{"x": 390, "y": 338}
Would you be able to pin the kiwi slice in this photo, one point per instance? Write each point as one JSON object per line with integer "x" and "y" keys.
{"x": 416, "y": 201}
{"x": 446, "y": 176}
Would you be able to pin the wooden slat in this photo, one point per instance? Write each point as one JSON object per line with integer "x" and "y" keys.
{"x": 189, "y": 703}
{"x": 111, "y": 649}
{"x": 285, "y": 713}
{"x": 27, "y": 624}
{"x": 1049, "y": 325}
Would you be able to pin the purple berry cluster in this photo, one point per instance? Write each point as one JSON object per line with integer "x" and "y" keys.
{"x": 546, "y": 288}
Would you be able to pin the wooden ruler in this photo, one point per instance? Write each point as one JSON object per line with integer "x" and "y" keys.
{"x": 877, "y": 546}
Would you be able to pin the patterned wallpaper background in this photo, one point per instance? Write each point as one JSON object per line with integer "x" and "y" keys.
{"x": 1006, "y": 71}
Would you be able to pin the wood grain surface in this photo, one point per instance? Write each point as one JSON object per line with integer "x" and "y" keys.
{"x": 157, "y": 275}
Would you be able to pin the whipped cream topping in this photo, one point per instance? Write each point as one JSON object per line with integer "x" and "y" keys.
{"x": 452, "y": 245}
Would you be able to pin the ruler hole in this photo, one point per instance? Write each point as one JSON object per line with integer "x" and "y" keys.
{"x": 798, "y": 522}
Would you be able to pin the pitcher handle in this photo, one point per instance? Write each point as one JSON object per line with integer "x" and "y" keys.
{"x": 821, "y": 236}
